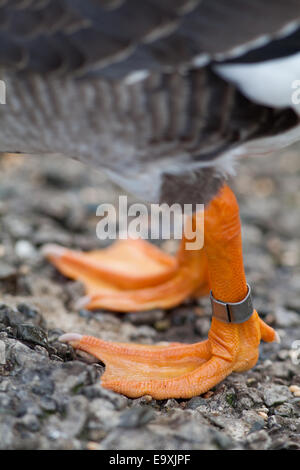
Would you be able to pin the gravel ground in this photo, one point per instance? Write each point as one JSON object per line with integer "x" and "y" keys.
{"x": 51, "y": 399}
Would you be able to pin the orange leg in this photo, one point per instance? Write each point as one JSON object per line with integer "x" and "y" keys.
{"x": 180, "y": 370}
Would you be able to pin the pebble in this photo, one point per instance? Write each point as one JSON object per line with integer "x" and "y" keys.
{"x": 276, "y": 394}
{"x": 263, "y": 415}
{"x": 202, "y": 326}
{"x": 32, "y": 334}
{"x": 136, "y": 417}
{"x": 162, "y": 325}
{"x": 295, "y": 389}
{"x": 195, "y": 402}
{"x": 41, "y": 350}
{"x": 27, "y": 310}
{"x": 24, "y": 249}
{"x": 2, "y": 353}
{"x": 286, "y": 318}
{"x": 145, "y": 318}
{"x": 259, "y": 440}
{"x": 7, "y": 271}
{"x": 286, "y": 409}
{"x": 48, "y": 404}
{"x": 93, "y": 446}
{"x": 283, "y": 354}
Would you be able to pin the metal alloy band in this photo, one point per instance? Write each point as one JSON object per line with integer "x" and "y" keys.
{"x": 237, "y": 312}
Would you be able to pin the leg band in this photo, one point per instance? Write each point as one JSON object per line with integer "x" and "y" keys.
{"x": 237, "y": 312}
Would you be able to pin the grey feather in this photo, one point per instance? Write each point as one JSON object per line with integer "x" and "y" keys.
{"x": 127, "y": 85}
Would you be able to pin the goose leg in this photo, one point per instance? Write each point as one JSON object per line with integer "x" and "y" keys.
{"x": 133, "y": 275}
{"x": 181, "y": 370}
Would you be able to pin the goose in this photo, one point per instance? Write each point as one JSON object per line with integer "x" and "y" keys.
{"x": 165, "y": 96}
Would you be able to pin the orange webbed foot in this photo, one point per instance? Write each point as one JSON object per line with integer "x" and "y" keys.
{"x": 132, "y": 275}
{"x": 177, "y": 370}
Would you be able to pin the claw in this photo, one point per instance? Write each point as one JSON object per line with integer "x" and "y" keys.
{"x": 72, "y": 338}
{"x": 83, "y": 302}
{"x": 277, "y": 338}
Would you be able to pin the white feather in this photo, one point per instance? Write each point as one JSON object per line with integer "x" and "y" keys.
{"x": 269, "y": 83}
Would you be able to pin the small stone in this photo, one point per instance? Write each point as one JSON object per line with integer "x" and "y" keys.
{"x": 144, "y": 400}
{"x": 263, "y": 415}
{"x": 99, "y": 369}
{"x": 147, "y": 398}
{"x": 29, "y": 422}
{"x": 162, "y": 325}
{"x": 293, "y": 303}
{"x": 93, "y": 446}
{"x": 32, "y": 334}
{"x": 53, "y": 357}
{"x": 222, "y": 440}
{"x": 24, "y": 249}
{"x": 118, "y": 401}
{"x": 45, "y": 386}
{"x": 41, "y": 350}
{"x": 145, "y": 318}
{"x": 273, "y": 422}
{"x": 71, "y": 376}
{"x": 54, "y": 434}
{"x": 8, "y": 316}
{"x": 253, "y": 418}
{"x": 283, "y": 355}
{"x": 48, "y": 404}
{"x": 195, "y": 402}
{"x": 259, "y": 440}
{"x": 171, "y": 403}
{"x": 24, "y": 269}
{"x": 85, "y": 313}
{"x": 276, "y": 394}
{"x": 251, "y": 381}
{"x": 7, "y": 271}
{"x": 286, "y": 410}
{"x": 2, "y": 353}
{"x": 135, "y": 417}
{"x": 245, "y": 402}
{"x": 286, "y": 318}
{"x": 63, "y": 350}
{"x": 295, "y": 389}
{"x": 257, "y": 426}
{"x": 200, "y": 311}
{"x": 28, "y": 311}
{"x": 4, "y": 385}
{"x": 202, "y": 326}
{"x": 267, "y": 363}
